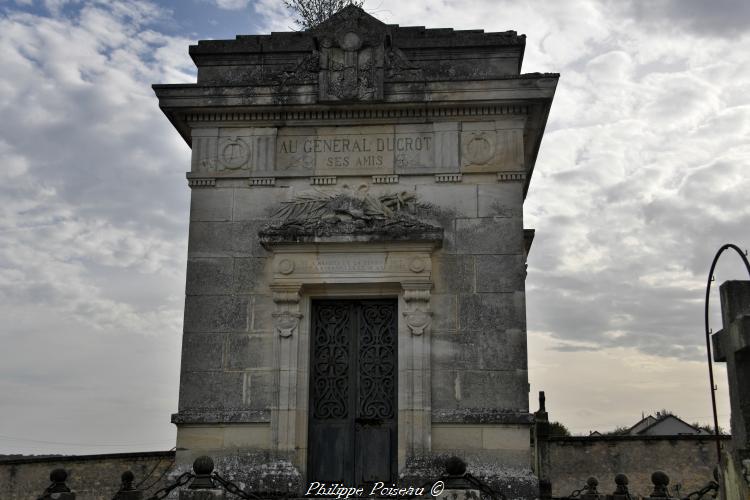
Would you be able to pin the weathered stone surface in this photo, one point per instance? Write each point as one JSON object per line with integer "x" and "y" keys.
{"x": 258, "y": 389}
{"x": 251, "y": 274}
{"x": 222, "y": 239}
{"x": 235, "y": 390}
{"x": 247, "y": 436}
{"x": 445, "y": 312}
{"x": 212, "y": 390}
{"x": 459, "y": 200}
{"x": 225, "y": 238}
{"x": 453, "y": 273}
{"x": 249, "y": 351}
{"x": 480, "y": 389}
{"x": 688, "y": 460}
{"x": 479, "y": 350}
{"x": 500, "y": 200}
{"x": 489, "y": 311}
{"x": 211, "y": 204}
{"x": 504, "y": 472}
{"x": 260, "y": 471}
{"x": 445, "y": 350}
{"x": 479, "y": 437}
{"x": 216, "y": 313}
{"x": 210, "y": 239}
{"x": 489, "y": 235}
{"x": 493, "y": 350}
{"x": 245, "y": 238}
{"x": 209, "y": 276}
{"x": 203, "y": 351}
{"x": 500, "y": 273}
{"x": 220, "y": 416}
{"x": 212, "y": 494}
{"x": 260, "y": 202}
{"x": 263, "y": 308}
{"x": 90, "y": 476}
{"x": 481, "y": 416}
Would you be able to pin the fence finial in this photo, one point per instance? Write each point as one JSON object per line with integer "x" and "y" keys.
{"x": 57, "y": 477}
{"x": 621, "y": 488}
{"x": 203, "y": 468}
{"x": 127, "y": 479}
{"x": 660, "y": 480}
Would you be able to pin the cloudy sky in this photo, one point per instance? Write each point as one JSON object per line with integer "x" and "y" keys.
{"x": 642, "y": 175}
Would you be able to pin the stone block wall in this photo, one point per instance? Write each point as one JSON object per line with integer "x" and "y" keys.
{"x": 479, "y": 362}
{"x": 688, "y": 461}
{"x": 92, "y": 477}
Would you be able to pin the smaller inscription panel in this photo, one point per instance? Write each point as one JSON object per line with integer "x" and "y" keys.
{"x": 337, "y": 263}
{"x": 233, "y": 151}
{"x": 324, "y": 266}
{"x": 490, "y": 147}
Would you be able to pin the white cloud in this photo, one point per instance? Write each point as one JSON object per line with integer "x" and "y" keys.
{"x": 93, "y": 226}
{"x": 232, "y": 4}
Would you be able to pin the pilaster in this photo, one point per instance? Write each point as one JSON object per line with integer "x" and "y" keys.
{"x": 286, "y": 320}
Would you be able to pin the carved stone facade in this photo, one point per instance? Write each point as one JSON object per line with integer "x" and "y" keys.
{"x": 365, "y": 161}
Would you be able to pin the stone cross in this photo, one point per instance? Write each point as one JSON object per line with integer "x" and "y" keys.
{"x": 731, "y": 345}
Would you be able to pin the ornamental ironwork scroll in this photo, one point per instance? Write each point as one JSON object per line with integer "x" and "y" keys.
{"x": 377, "y": 362}
{"x": 330, "y": 362}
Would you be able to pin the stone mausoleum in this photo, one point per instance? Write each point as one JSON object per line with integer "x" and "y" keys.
{"x": 355, "y": 306}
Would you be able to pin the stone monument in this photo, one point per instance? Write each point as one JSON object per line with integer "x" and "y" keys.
{"x": 354, "y": 306}
{"x": 731, "y": 345}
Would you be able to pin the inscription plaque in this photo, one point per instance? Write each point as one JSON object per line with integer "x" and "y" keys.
{"x": 354, "y": 150}
{"x": 367, "y": 150}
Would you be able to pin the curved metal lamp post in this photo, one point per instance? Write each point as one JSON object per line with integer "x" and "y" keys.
{"x": 708, "y": 336}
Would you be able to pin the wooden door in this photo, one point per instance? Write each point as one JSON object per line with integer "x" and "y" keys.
{"x": 353, "y": 404}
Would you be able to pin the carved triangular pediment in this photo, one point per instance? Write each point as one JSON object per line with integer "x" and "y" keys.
{"x": 352, "y": 19}
{"x": 352, "y": 56}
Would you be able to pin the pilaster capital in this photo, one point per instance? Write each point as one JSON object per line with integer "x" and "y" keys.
{"x": 286, "y": 294}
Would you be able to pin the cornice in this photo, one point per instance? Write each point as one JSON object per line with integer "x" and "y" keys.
{"x": 381, "y": 112}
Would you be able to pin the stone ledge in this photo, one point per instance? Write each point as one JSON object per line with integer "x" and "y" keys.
{"x": 598, "y": 439}
{"x": 481, "y": 416}
{"x": 221, "y": 416}
{"x": 85, "y": 458}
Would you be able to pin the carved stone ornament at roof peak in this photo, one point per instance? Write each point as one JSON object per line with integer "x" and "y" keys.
{"x": 352, "y": 55}
{"x": 351, "y": 213}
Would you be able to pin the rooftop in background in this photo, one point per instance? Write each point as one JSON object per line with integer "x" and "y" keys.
{"x": 664, "y": 425}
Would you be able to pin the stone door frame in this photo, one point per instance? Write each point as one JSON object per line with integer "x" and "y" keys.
{"x": 303, "y": 272}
